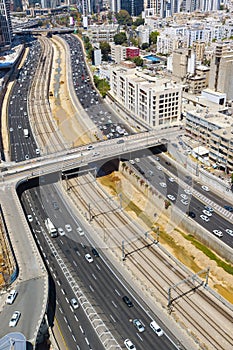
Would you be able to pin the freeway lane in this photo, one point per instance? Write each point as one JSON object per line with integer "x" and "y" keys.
{"x": 98, "y": 283}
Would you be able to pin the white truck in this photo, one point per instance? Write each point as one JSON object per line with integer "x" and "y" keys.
{"x": 51, "y": 228}
{"x": 25, "y": 132}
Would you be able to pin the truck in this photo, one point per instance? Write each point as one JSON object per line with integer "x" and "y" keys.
{"x": 25, "y": 132}
{"x": 51, "y": 228}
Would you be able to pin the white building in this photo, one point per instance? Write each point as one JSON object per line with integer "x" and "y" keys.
{"x": 118, "y": 53}
{"x": 98, "y": 33}
{"x": 155, "y": 100}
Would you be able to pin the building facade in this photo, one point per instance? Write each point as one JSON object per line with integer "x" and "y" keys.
{"x": 157, "y": 101}
{"x": 6, "y": 32}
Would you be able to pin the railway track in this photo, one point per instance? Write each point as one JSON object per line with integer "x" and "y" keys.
{"x": 209, "y": 321}
{"x": 45, "y": 128}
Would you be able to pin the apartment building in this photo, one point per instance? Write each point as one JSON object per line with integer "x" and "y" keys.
{"x": 118, "y": 53}
{"x": 215, "y": 131}
{"x": 154, "y": 99}
{"x": 98, "y": 33}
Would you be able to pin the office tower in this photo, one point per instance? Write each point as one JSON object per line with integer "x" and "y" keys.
{"x": 5, "y": 25}
{"x": 221, "y": 69}
{"x": 134, "y": 7}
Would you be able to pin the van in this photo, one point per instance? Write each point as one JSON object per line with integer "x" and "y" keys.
{"x": 156, "y": 328}
{"x": 25, "y": 132}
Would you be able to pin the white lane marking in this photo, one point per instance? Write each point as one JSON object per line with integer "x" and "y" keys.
{"x": 93, "y": 276}
{"x": 44, "y": 255}
{"x": 76, "y": 318}
{"x": 60, "y": 310}
{"x": 69, "y": 329}
{"x": 74, "y": 338}
{"x": 117, "y": 292}
{"x": 61, "y": 241}
{"x": 65, "y": 319}
{"x": 54, "y": 276}
{"x": 74, "y": 263}
{"x": 113, "y": 318}
{"x": 139, "y": 337}
{"x": 114, "y": 304}
{"x": 91, "y": 288}
{"x": 78, "y": 252}
{"x": 51, "y": 269}
{"x": 71, "y": 308}
{"x": 67, "y": 300}
{"x": 87, "y": 341}
{"x": 58, "y": 283}
{"x": 81, "y": 329}
{"x": 98, "y": 267}
{"x": 63, "y": 292}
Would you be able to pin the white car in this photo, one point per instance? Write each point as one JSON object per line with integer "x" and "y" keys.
{"x": 188, "y": 191}
{"x": 138, "y": 324}
{"x": 171, "y": 179}
{"x": 205, "y": 188}
{"x": 159, "y": 167}
{"x": 207, "y": 212}
{"x": 90, "y": 147}
{"x": 184, "y": 196}
{"x": 11, "y": 297}
{"x": 171, "y": 197}
{"x": 89, "y": 258}
{"x": 137, "y": 160}
{"x": 61, "y": 231}
{"x": 162, "y": 184}
{"x": 14, "y": 319}
{"x": 230, "y": 232}
{"x": 95, "y": 154}
{"x": 184, "y": 201}
{"x": 204, "y": 218}
{"x": 30, "y": 218}
{"x": 209, "y": 208}
{"x": 218, "y": 233}
{"x": 37, "y": 151}
{"x": 26, "y": 157}
{"x": 132, "y": 161}
{"x": 80, "y": 231}
{"x": 129, "y": 345}
{"x": 68, "y": 228}
{"x": 74, "y": 303}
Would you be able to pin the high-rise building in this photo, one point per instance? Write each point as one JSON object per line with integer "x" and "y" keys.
{"x": 5, "y": 25}
{"x": 134, "y": 7}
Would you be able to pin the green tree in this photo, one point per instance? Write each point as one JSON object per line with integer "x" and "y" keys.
{"x": 145, "y": 46}
{"x": 139, "y": 21}
{"x": 105, "y": 50}
{"x": 123, "y": 18}
{"x": 138, "y": 61}
{"x": 153, "y": 37}
{"x": 102, "y": 85}
{"x": 232, "y": 178}
{"x": 120, "y": 38}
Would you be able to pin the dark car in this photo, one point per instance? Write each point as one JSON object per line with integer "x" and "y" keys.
{"x": 191, "y": 214}
{"x": 228, "y": 207}
{"x": 95, "y": 253}
{"x": 55, "y": 206}
{"x": 127, "y": 301}
{"x": 121, "y": 141}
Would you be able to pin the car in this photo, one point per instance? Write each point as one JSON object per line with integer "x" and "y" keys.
{"x": 138, "y": 324}
{"x": 61, "y": 231}
{"x": 89, "y": 258}
{"x": 11, "y": 296}
{"x": 184, "y": 196}
{"x": 171, "y": 179}
{"x": 19, "y": 126}
{"x": 156, "y": 328}
{"x": 229, "y": 231}
{"x": 157, "y": 158}
{"x": 95, "y": 154}
{"x": 127, "y": 301}
{"x": 132, "y": 161}
{"x": 171, "y": 197}
{"x": 120, "y": 141}
{"x": 162, "y": 184}
{"x": 55, "y": 206}
{"x": 30, "y": 218}
{"x": 205, "y": 188}
{"x": 150, "y": 173}
{"x": 168, "y": 163}
{"x": 37, "y": 151}
{"x": 159, "y": 167}
{"x": 14, "y": 319}
{"x": 26, "y": 156}
{"x": 218, "y": 233}
{"x": 95, "y": 252}
{"x": 137, "y": 160}
{"x": 90, "y": 147}
{"x": 228, "y": 207}
{"x": 68, "y": 228}
{"x": 129, "y": 345}
{"x": 11, "y": 129}
{"x": 191, "y": 214}
{"x": 74, "y": 303}
{"x": 210, "y": 209}
{"x": 80, "y": 231}
{"x": 206, "y": 212}
{"x": 204, "y": 218}
{"x": 184, "y": 201}
{"x": 188, "y": 191}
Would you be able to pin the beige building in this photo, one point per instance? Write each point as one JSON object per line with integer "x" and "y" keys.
{"x": 221, "y": 69}
{"x": 215, "y": 131}
{"x": 155, "y": 100}
{"x": 98, "y": 33}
